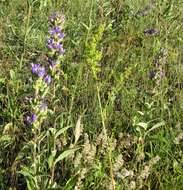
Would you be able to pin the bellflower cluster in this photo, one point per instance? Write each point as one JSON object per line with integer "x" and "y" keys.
{"x": 46, "y": 76}
{"x": 55, "y": 38}
{"x": 31, "y": 118}
{"x": 41, "y": 72}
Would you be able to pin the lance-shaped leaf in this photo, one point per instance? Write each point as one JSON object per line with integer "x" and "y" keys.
{"x": 65, "y": 154}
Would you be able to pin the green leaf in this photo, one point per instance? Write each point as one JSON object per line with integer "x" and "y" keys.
{"x": 5, "y": 138}
{"x": 62, "y": 131}
{"x": 51, "y": 158}
{"x": 25, "y": 173}
{"x": 143, "y": 125}
{"x": 160, "y": 124}
{"x": 12, "y": 74}
{"x": 85, "y": 26}
{"x": 65, "y": 154}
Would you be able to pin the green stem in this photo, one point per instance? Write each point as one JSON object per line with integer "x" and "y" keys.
{"x": 106, "y": 137}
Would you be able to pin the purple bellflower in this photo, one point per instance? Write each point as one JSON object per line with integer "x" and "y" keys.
{"x": 41, "y": 72}
{"x": 31, "y": 119}
{"x": 35, "y": 68}
{"x": 47, "y": 79}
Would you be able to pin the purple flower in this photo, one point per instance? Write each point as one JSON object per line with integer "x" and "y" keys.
{"x": 50, "y": 40}
{"x": 58, "y": 46}
{"x": 52, "y": 32}
{"x": 57, "y": 29}
{"x": 53, "y": 17}
{"x": 56, "y": 17}
{"x": 35, "y": 67}
{"x": 53, "y": 64}
{"x": 61, "y": 35}
{"x": 41, "y": 71}
{"x": 50, "y": 46}
{"x": 47, "y": 79}
{"x": 31, "y": 119}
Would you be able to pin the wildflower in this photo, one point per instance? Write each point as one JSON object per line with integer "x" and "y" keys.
{"x": 55, "y": 30}
{"x": 31, "y": 119}
{"x": 50, "y": 41}
{"x": 56, "y": 17}
{"x": 35, "y": 67}
{"x": 53, "y": 17}
{"x": 56, "y": 35}
{"x": 53, "y": 64}
{"x": 41, "y": 71}
{"x": 145, "y": 172}
{"x": 47, "y": 79}
{"x": 57, "y": 46}
{"x": 50, "y": 46}
{"x": 61, "y": 35}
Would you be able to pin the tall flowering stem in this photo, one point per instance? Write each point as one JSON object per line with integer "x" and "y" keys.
{"x": 56, "y": 55}
{"x": 56, "y": 50}
{"x": 54, "y": 43}
{"x": 38, "y": 113}
{"x": 46, "y": 76}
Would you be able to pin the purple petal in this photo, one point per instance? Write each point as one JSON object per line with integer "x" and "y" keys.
{"x": 52, "y": 32}
{"x": 57, "y": 29}
{"x": 41, "y": 72}
{"x": 47, "y": 79}
{"x": 33, "y": 118}
{"x": 35, "y": 67}
{"x": 50, "y": 41}
{"x": 61, "y": 35}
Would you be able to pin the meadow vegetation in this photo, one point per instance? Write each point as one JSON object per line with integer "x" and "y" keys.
{"x": 91, "y": 95}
